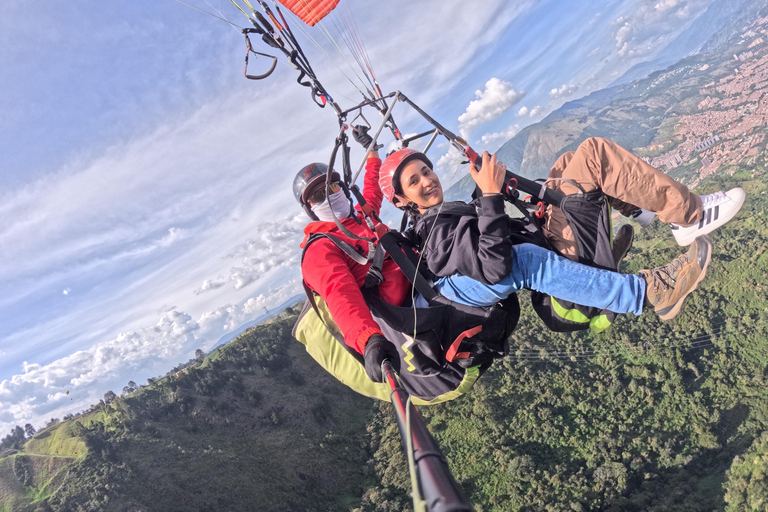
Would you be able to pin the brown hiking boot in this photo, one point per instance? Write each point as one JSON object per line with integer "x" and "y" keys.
{"x": 622, "y": 243}
{"x": 667, "y": 287}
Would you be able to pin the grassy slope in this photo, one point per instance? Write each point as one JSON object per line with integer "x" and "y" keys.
{"x": 256, "y": 427}
{"x": 43, "y": 459}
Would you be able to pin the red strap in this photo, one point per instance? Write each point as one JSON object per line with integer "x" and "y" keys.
{"x": 514, "y": 186}
{"x": 539, "y": 210}
{"x": 381, "y": 230}
{"x": 452, "y": 353}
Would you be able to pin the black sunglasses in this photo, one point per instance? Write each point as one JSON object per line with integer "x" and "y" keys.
{"x": 319, "y": 195}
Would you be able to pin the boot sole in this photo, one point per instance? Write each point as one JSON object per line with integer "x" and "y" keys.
{"x": 678, "y": 306}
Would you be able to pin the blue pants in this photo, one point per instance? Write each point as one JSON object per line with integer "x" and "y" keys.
{"x": 536, "y": 268}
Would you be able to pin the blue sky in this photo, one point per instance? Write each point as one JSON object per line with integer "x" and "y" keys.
{"x": 145, "y": 204}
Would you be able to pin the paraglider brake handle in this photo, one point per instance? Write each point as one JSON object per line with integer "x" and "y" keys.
{"x": 248, "y": 50}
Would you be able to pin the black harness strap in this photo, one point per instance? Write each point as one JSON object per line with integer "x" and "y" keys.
{"x": 346, "y": 248}
{"x": 391, "y": 244}
{"x": 375, "y": 275}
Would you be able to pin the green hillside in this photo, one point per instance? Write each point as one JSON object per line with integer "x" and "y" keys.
{"x": 258, "y": 428}
{"x": 648, "y": 416}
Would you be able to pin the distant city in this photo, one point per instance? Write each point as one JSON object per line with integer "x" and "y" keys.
{"x": 733, "y": 117}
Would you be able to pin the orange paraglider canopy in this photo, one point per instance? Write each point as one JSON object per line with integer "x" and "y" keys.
{"x": 310, "y": 11}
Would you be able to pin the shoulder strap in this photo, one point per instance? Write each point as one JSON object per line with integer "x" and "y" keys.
{"x": 392, "y": 243}
{"x": 345, "y": 247}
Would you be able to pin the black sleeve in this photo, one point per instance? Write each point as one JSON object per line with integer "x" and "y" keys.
{"x": 477, "y": 246}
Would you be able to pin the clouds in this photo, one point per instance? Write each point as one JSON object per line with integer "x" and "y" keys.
{"x": 270, "y": 248}
{"x": 497, "y": 98}
{"x": 174, "y": 235}
{"x": 144, "y": 222}
{"x": 209, "y": 285}
{"x": 496, "y": 139}
{"x": 526, "y": 112}
{"x": 40, "y": 391}
{"x": 564, "y": 90}
{"x": 650, "y": 24}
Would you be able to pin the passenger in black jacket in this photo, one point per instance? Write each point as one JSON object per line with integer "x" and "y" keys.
{"x": 470, "y": 247}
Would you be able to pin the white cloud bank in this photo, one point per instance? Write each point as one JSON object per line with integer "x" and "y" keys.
{"x": 495, "y": 139}
{"x": 497, "y": 98}
{"x": 266, "y": 251}
{"x": 564, "y": 90}
{"x": 40, "y": 391}
{"x": 651, "y": 24}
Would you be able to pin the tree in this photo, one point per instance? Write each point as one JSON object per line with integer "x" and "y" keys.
{"x": 199, "y": 355}
{"x": 109, "y": 397}
{"x": 132, "y": 385}
{"x": 29, "y": 429}
{"x": 14, "y": 440}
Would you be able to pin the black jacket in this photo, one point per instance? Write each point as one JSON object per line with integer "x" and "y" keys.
{"x": 476, "y": 240}
{"x": 470, "y": 239}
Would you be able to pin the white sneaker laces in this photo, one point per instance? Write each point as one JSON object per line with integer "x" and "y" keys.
{"x": 713, "y": 198}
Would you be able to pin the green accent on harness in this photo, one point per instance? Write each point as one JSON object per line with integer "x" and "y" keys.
{"x": 572, "y": 315}
{"x": 331, "y": 355}
{"x": 467, "y": 382}
{"x": 408, "y": 354}
{"x": 599, "y": 323}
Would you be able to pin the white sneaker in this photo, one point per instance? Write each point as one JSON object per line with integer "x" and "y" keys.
{"x": 719, "y": 208}
{"x": 643, "y": 217}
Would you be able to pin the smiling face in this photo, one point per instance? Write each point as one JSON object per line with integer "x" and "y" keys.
{"x": 420, "y": 185}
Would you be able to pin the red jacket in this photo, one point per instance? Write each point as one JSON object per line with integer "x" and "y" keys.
{"x": 338, "y": 279}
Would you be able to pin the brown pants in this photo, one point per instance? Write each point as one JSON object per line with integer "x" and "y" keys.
{"x": 626, "y": 181}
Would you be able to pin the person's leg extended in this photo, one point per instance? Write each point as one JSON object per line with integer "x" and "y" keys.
{"x": 536, "y": 268}
{"x": 634, "y": 187}
{"x": 627, "y": 180}
{"x": 664, "y": 288}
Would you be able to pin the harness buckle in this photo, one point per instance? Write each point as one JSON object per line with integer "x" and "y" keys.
{"x": 374, "y": 277}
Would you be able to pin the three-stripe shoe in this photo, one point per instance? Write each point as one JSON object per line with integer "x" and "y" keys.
{"x": 719, "y": 208}
{"x": 668, "y": 286}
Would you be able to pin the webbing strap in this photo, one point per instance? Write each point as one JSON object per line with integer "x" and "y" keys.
{"x": 566, "y": 180}
{"x": 422, "y": 285}
{"x": 346, "y": 248}
{"x": 375, "y": 276}
{"x": 311, "y": 297}
{"x": 364, "y": 206}
{"x": 453, "y": 351}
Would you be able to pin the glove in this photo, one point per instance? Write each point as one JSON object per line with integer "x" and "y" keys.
{"x": 377, "y": 350}
{"x": 360, "y": 134}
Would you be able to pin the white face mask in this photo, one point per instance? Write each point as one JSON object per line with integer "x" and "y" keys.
{"x": 338, "y": 203}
